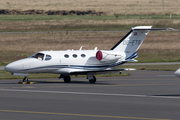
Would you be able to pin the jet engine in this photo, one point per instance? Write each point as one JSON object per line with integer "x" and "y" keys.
{"x": 107, "y": 56}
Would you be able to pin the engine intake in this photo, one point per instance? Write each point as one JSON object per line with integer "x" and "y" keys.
{"x": 99, "y": 55}
{"x": 107, "y": 56}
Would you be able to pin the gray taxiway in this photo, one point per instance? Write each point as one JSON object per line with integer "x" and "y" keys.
{"x": 145, "y": 95}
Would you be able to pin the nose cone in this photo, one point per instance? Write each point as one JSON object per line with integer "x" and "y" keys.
{"x": 177, "y": 72}
{"x": 11, "y": 67}
{"x": 15, "y": 66}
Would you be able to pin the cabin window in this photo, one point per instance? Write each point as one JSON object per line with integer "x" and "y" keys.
{"x": 66, "y": 56}
{"x": 48, "y": 57}
{"x": 39, "y": 56}
{"x": 83, "y": 55}
{"x": 74, "y": 55}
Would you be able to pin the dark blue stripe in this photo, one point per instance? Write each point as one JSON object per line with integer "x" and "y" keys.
{"x": 134, "y": 55}
{"x": 68, "y": 66}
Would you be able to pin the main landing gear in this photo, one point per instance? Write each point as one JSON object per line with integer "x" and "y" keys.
{"x": 91, "y": 77}
{"x": 67, "y": 78}
{"x": 92, "y": 80}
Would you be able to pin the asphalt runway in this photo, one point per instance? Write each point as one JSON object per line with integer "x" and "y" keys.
{"x": 145, "y": 95}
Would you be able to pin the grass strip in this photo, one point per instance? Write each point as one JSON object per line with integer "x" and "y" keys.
{"x": 85, "y": 17}
{"x": 22, "y": 23}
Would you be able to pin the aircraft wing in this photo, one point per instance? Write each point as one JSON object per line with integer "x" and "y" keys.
{"x": 100, "y": 71}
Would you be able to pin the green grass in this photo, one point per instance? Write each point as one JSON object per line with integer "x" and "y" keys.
{"x": 158, "y": 56}
{"x": 8, "y": 56}
{"x": 85, "y": 17}
{"x": 20, "y": 23}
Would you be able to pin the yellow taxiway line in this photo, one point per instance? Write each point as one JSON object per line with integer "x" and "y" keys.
{"x": 81, "y": 115}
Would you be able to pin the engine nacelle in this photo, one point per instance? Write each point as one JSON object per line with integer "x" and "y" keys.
{"x": 107, "y": 56}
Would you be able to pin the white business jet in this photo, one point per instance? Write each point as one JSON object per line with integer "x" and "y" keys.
{"x": 177, "y": 72}
{"x": 82, "y": 62}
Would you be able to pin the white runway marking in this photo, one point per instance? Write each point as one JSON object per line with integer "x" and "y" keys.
{"x": 86, "y": 93}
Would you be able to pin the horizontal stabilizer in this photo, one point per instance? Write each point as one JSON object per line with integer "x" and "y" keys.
{"x": 168, "y": 29}
{"x": 130, "y": 60}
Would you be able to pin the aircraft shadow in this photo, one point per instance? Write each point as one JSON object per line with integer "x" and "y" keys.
{"x": 72, "y": 82}
{"x": 170, "y": 95}
{"x": 59, "y": 82}
{"x": 9, "y": 83}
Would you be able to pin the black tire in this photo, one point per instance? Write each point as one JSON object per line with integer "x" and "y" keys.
{"x": 93, "y": 80}
{"x": 67, "y": 79}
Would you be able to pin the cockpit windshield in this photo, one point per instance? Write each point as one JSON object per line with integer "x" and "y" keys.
{"x": 39, "y": 56}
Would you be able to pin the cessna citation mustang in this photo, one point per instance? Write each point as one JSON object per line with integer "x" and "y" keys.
{"x": 82, "y": 62}
{"x": 177, "y": 72}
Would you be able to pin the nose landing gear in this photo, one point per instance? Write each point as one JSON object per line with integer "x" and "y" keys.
{"x": 25, "y": 80}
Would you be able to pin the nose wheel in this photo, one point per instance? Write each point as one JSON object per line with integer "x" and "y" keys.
{"x": 25, "y": 79}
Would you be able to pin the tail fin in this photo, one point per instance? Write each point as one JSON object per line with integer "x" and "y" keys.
{"x": 130, "y": 43}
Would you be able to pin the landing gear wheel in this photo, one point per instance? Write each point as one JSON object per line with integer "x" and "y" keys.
{"x": 93, "y": 80}
{"x": 25, "y": 79}
{"x": 67, "y": 79}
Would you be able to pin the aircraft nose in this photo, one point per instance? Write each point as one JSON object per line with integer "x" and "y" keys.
{"x": 10, "y": 67}
{"x": 19, "y": 65}
{"x": 14, "y": 66}
{"x": 177, "y": 72}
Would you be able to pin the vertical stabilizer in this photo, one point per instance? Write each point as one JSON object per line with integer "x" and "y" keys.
{"x": 133, "y": 40}
{"x": 130, "y": 43}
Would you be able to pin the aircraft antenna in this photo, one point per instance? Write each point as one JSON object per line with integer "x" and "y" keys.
{"x": 81, "y": 47}
{"x": 95, "y": 48}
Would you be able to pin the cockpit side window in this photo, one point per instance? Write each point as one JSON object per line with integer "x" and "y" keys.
{"x": 39, "y": 56}
{"x": 48, "y": 57}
